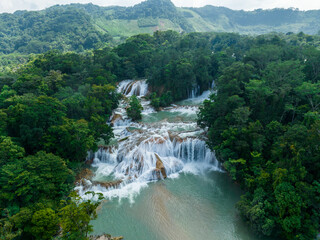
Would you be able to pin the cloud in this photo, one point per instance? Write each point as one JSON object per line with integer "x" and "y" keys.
{"x": 13, "y": 5}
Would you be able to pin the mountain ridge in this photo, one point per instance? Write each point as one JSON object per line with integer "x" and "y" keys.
{"x": 76, "y": 27}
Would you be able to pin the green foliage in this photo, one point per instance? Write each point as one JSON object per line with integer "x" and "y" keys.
{"x": 53, "y": 28}
{"x": 45, "y": 223}
{"x": 58, "y": 103}
{"x": 71, "y": 140}
{"x": 7, "y": 229}
{"x": 9, "y": 151}
{"x": 147, "y": 22}
{"x": 34, "y": 178}
{"x": 262, "y": 124}
{"x": 79, "y": 27}
{"x": 154, "y": 9}
{"x": 76, "y": 215}
{"x": 134, "y": 109}
{"x": 31, "y": 120}
{"x": 163, "y": 101}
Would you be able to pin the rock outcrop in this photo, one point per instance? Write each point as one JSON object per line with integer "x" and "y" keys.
{"x": 85, "y": 173}
{"x": 107, "y": 185}
{"x": 160, "y": 168}
{"x": 115, "y": 117}
{"x": 105, "y": 237}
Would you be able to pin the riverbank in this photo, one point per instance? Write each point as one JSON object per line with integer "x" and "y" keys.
{"x": 105, "y": 237}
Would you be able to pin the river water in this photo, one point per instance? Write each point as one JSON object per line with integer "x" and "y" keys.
{"x": 163, "y": 182}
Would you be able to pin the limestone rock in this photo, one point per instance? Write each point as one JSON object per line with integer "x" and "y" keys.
{"x": 115, "y": 117}
{"x": 160, "y": 167}
{"x": 108, "y": 184}
{"x": 85, "y": 173}
{"x": 105, "y": 237}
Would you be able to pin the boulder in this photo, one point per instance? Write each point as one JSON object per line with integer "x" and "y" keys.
{"x": 175, "y": 137}
{"x": 85, "y": 173}
{"x": 109, "y": 149}
{"x": 157, "y": 140}
{"x": 89, "y": 161}
{"x": 105, "y": 237}
{"x": 160, "y": 167}
{"x": 108, "y": 184}
{"x": 115, "y": 117}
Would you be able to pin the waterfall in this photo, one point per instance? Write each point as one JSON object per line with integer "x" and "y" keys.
{"x": 131, "y": 87}
{"x": 138, "y": 160}
{"x": 144, "y": 152}
{"x": 195, "y": 92}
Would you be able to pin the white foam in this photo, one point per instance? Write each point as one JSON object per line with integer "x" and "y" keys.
{"x": 197, "y": 100}
{"x": 189, "y": 110}
{"x": 133, "y": 159}
{"x": 132, "y": 87}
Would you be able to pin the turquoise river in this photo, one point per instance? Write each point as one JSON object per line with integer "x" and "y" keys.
{"x": 165, "y": 184}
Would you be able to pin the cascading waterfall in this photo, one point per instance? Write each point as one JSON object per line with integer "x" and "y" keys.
{"x": 147, "y": 152}
{"x": 131, "y": 87}
{"x": 195, "y": 92}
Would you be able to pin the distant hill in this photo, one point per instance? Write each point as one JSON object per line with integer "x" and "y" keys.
{"x": 78, "y": 27}
{"x": 258, "y": 21}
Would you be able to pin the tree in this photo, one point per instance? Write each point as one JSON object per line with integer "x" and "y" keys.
{"x": 54, "y": 80}
{"x": 107, "y": 95}
{"x": 6, "y": 92}
{"x": 45, "y": 224}
{"x": 134, "y": 109}
{"x": 34, "y": 178}
{"x": 9, "y": 151}
{"x": 7, "y": 229}
{"x": 76, "y": 214}
{"x": 100, "y": 129}
{"x": 3, "y": 123}
{"x": 263, "y": 124}
{"x": 31, "y": 120}
{"x": 310, "y": 91}
{"x": 71, "y": 140}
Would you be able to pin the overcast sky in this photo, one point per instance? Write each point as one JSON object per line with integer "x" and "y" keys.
{"x": 13, "y": 5}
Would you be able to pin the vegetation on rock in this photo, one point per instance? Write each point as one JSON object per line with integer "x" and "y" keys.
{"x": 134, "y": 108}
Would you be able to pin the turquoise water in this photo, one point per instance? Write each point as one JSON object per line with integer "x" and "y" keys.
{"x": 178, "y": 116}
{"x": 196, "y": 202}
{"x": 189, "y": 207}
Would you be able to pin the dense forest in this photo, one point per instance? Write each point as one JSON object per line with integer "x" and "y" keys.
{"x": 263, "y": 122}
{"x": 79, "y": 27}
{"x": 65, "y": 29}
{"x": 53, "y": 110}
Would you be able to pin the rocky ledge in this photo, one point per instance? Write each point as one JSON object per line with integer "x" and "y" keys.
{"x": 105, "y": 237}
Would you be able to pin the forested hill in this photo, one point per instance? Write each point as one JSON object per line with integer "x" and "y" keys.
{"x": 77, "y": 27}
{"x": 258, "y": 21}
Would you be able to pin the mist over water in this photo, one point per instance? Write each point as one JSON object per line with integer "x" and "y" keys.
{"x": 166, "y": 183}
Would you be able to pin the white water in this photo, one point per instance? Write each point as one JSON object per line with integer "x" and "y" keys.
{"x": 178, "y": 143}
{"x": 130, "y": 87}
{"x": 195, "y": 92}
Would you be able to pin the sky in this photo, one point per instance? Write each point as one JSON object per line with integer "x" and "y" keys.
{"x": 13, "y": 5}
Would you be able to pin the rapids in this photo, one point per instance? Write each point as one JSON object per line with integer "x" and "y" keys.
{"x": 159, "y": 178}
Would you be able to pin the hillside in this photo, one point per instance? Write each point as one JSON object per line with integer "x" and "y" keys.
{"x": 258, "y": 21}
{"x": 77, "y": 27}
